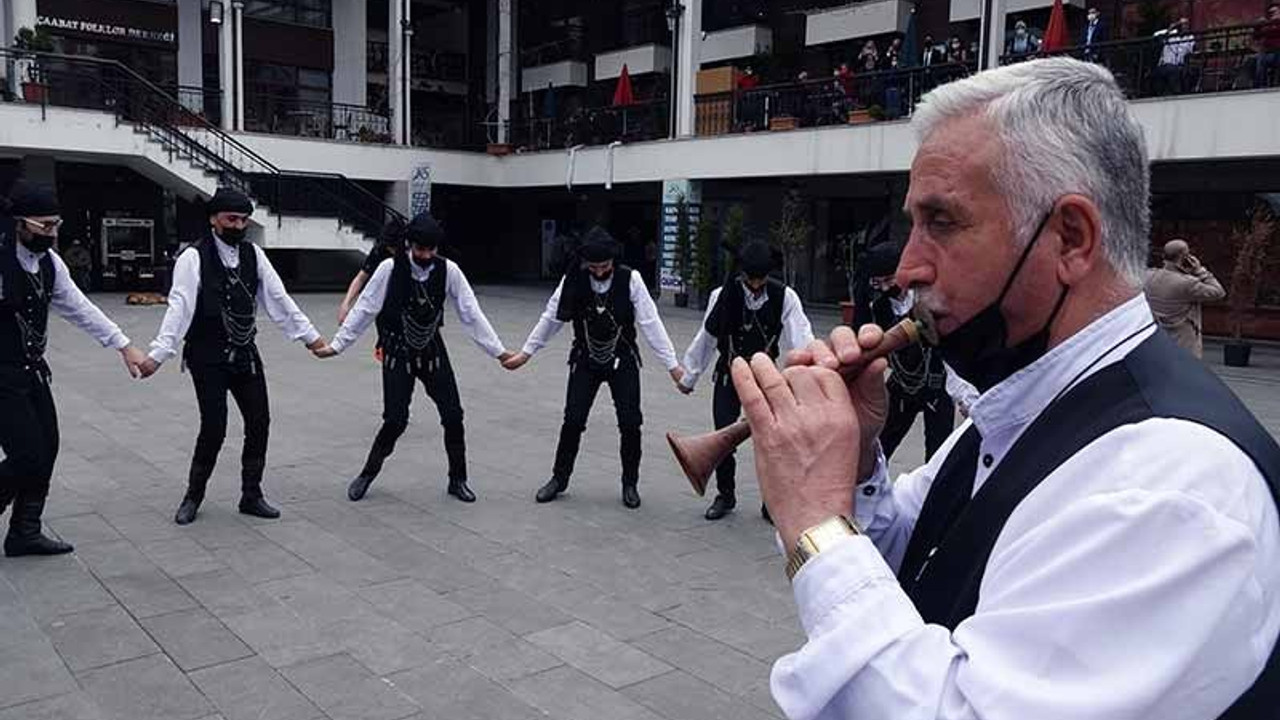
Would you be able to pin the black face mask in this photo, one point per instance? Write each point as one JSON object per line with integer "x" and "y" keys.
{"x": 977, "y": 349}
{"x": 38, "y": 243}
{"x": 602, "y": 277}
{"x": 232, "y": 235}
{"x": 424, "y": 264}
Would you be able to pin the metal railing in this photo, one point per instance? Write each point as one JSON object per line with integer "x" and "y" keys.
{"x": 206, "y": 102}
{"x": 835, "y": 100}
{"x": 1217, "y": 60}
{"x": 593, "y": 126}
{"x": 283, "y": 115}
{"x": 425, "y": 64}
{"x": 57, "y": 80}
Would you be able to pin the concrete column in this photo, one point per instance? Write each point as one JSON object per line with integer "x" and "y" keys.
{"x": 398, "y": 45}
{"x": 992, "y": 28}
{"x": 15, "y": 15}
{"x": 687, "y": 65}
{"x": 508, "y": 65}
{"x": 237, "y": 8}
{"x": 226, "y": 68}
{"x": 190, "y": 52}
{"x": 350, "y": 52}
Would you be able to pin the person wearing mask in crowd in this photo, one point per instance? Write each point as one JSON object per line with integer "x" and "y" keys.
{"x": 932, "y": 54}
{"x": 406, "y": 297}
{"x": 607, "y": 304}
{"x": 1266, "y": 37}
{"x": 1101, "y": 538}
{"x": 750, "y": 313}
{"x": 1094, "y": 34}
{"x": 219, "y": 282}
{"x": 33, "y": 280}
{"x": 389, "y": 245}
{"x": 892, "y": 57}
{"x": 1175, "y": 292}
{"x": 869, "y": 58}
{"x": 1023, "y": 44}
{"x": 1177, "y": 43}
{"x": 956, "y": 51}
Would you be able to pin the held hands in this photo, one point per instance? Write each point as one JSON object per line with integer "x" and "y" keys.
{"x": 320, "y": 348}
{"x": 813, "y": 429}
{"x": 504, "y": 357}
{"x": 516, "y": 360}
{"x": 677, "y": 374}
{"x": 137, "y": 362}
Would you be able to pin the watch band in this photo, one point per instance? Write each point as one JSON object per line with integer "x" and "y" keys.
{"x": 818, "y": 538}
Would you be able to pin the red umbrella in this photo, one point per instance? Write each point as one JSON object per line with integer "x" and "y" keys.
{"x": 1055, "y": 36}
{"x": 623, "y": 94}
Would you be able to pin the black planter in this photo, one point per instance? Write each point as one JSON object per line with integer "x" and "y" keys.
{"x": 1236, "y": 354}
{"x": 682, "y": 299}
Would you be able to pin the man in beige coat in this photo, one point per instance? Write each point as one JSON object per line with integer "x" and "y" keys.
{"x": 1176, "y": 291}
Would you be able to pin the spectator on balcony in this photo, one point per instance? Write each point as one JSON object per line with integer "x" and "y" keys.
{"x": 1178, "y": 42}
{"x": 932, "y": 55}
{"x": 1267, "y": 41}
{"x": 869, "y": 58}
{"x": 1023, "y": 44}
{"x": 956, "y": 51}
{"x": 748, "y": 80}
{"x": 844, "y": 91}
{"x": 1095, "y": 33}
{"x": 892, "y": 58}
{"x": 750, "y": 105}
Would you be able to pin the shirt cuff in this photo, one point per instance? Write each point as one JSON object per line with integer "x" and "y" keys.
{"x": 530, "y": 349}
{"x": 310, "y": 336}
{"x": 160, "y": 355}
{"x": 840, "y": 575}
{"x": 690, "y": 379}
{"x": 877, "y": 485}
{"x": 118, "y": 341}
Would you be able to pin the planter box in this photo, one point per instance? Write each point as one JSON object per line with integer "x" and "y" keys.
{"x": 716, "y": 80}
{"x": 846, "y": 312}
{"x": 35, "y": 92}
{"x": 498, "y": 149}
{"x": 860, "y": 117}
{"x": 784, "y": 122}
{"x": 1236, "y": 354}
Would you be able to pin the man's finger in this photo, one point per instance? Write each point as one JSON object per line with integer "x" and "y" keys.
{"x": 773, "y": 385}
{"x": 754, "y": 405}
{"x": 844, "y": 346}
{"x": 804, "y": 386}
{"x": 833, "y": 386}
{"x": 799, "y": 356}
{"x": 822, "y": 354}
{"x": 870, "y": 336}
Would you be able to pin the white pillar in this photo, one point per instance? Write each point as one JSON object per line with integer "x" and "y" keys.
{"x": 688, "y": 63}
{"x": 398, "y": 71}
{"x": 226, "y": 68}
{"x": 992, "y": 29}
{"x": 237, "y": 8}
{"x": 17, "y": 15}
{"x": 350, "y": 52}
{"x": 190, "y": 53}
{"x": 508, "y": 65}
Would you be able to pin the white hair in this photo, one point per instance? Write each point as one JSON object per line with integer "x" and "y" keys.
{"x": 1064, "y": 127}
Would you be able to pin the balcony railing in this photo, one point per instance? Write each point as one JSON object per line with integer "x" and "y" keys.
{"x": 206, "y": 102}
{"x": 281, "y": 115}
{"x": 852, "y": 99}
{"x": 593, "y": 126}
{"x": 1218, "y": 60}
{"x": 424, "y": 64}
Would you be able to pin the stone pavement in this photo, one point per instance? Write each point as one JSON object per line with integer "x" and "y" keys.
{"x": 408, "y": 604}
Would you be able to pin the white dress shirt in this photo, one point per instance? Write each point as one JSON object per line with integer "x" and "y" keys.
{"x": 456, "y": 287}
{"x": 647, "y": 320}
{"x": 1141, "y": 579}
{"x": 67, "y": 300}
{"x": 272, "y": 296}
{"x": 796, "y": 331}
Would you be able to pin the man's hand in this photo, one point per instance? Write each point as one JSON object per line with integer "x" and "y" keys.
{"x": 504, "y": 357}
{"x": 318, "y": 343}
{"x": 516, "y": 361}
{"x": 806, "y": 438}
{"x": 324, "y": 351}
{"x": 677, "y": 374}
{"x": 147, "y": 368}
{"x": 133, "y": 360}
{"x": 684, "y": 389}
{"x": 866, "y": 388}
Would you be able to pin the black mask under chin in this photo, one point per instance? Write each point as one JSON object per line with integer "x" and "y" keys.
{"x": 424, "y": 264}
{"x": 603, "y": 277}
{"x": 231, "y": 235}
{"x": 978, "y": 351}
{"x": 38, "y": 243}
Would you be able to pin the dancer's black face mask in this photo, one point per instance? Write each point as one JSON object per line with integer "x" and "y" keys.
{"x": 978, "y": 350}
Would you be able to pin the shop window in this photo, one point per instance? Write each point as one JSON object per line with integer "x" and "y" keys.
{"x": 315, "y": 13}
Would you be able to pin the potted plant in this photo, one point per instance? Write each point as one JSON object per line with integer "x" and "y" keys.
{"x": 1252, "y": 242}
{"x": 34, "y": 88}
{"x": 875, "y": 112}
{"x": 849, "y": 247}
{"x": 791, "y": 233}
{"x": 702, "y": 276}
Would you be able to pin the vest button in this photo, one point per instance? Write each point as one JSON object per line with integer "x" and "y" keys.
{"x": 987, "y": 460}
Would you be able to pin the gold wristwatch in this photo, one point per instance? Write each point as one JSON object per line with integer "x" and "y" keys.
{"x": 819, "y": 538}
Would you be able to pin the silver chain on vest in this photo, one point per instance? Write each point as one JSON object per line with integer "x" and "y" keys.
{"x": 603, "y": 351}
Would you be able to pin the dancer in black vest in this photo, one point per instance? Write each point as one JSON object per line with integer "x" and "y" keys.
{"x": 1101, "y": 539}
{"x": 917, "y": 376}
{"x": 34, "y": 279}
{"x": 390, "y": 244}
{"x": 605, "y": 303}
{"x": 218, "y": 283}
{"x": 751, "y": 313}
{"x": 407, "y": 296}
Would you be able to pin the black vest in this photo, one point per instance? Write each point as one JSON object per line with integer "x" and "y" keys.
{"x": 24, "y": 303}
{"x": 412, "y": 312}
{"x": 741, "y": 332}
{"x": 953, "y": 537}
{"x": 224, "y": 326}
{"x": 598, "y": 318}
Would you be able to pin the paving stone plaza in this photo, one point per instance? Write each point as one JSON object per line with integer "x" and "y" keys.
{"x": 408, "y": 604}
